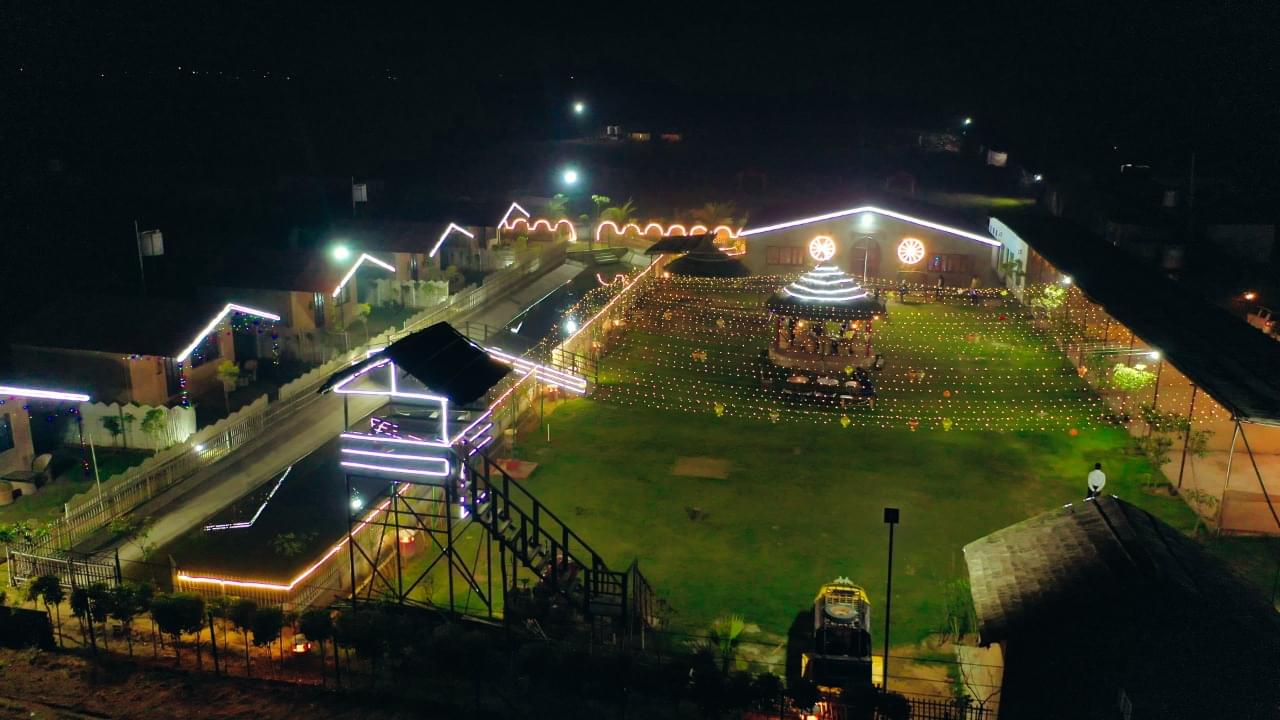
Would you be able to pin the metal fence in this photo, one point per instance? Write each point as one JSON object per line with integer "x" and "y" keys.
{"x": 71, "y": 568}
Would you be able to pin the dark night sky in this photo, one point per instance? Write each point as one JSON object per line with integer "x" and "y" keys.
{"x": 367, "y": 88}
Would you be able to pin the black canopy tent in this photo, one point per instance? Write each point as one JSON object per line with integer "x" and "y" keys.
{"x": 700, "y": 257}
{"x": 440, "y": 358}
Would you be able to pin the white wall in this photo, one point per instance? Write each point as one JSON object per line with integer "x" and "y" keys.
{"x": 180, "y": 423}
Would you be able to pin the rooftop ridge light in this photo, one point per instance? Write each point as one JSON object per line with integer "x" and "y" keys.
{"x": 356, "y": 266}
{"x": 227, "y": 309}
{"x": 515, "y": 206}
{"x": 37, "y": 393}
{"x": 452, "y": 227}
{"x": 986, "y": 240}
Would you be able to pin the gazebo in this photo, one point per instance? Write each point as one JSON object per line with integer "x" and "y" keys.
{"x": 824, "y": 321}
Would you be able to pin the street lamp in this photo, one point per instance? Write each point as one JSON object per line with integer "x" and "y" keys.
{"x": 569, "y": 176}
{"x": 890, "y": 519}
{"x": 1037, "y": 177}
{"x": 579, "y": 107}
{"x": 340, "y": 253}
{"x": 968, "y": 121}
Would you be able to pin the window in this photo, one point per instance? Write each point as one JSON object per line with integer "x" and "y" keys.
{"x": 6, "y": 433}
{"x": 784, "y": 255}
{"x": 951, "y": 263}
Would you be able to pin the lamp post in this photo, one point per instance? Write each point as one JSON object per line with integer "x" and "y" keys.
{"x": 890, "y": 519}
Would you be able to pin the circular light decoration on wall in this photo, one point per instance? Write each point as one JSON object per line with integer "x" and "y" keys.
{"x": 822, "y": 248}
{"x": 910, "y": 251}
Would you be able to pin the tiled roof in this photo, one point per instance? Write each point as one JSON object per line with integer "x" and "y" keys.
{"x": 1068, "y": 563}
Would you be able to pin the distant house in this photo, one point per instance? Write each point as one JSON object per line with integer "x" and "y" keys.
{"x": 1104, "y": 611}
{"x": 417, "y": 249}
{"x": 148, "y": 351}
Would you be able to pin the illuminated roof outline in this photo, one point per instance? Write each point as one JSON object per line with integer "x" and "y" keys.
{"x": 984, "y": 239}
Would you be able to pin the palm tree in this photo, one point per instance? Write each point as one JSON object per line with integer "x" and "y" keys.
{"x": 619, "y": 214}
{"x": 48, "y": 588}
{"x": 713, "y": 214}
{"x": 557, "y": 207}
{"x": 726, "y": 633}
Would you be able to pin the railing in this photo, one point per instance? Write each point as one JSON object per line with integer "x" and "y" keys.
{"x": 71, "y": 568}
{"x": 541, "y": 540}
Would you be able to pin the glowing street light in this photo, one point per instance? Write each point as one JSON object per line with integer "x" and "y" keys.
{"x": 569, "y": 176}
{"x": 968, "y": 121}
{"x": 340, "y": 252}
{"x": 356, "y": 502}
{"x": 571, "y": 326}
{"x": 1037, "y": 177}
{"x": 1066, "y": 279}
{"x": 579, "y": 107}
{"x": 1250, "y": 295}
{"x": 1154, "y": 354}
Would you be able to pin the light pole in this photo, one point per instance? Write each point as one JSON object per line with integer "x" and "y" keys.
{"x": 890, "y": 519}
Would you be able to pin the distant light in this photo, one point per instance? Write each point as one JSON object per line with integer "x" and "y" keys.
{"x": 579, "y": 107}
{"x": 569, "y": 176}
{"x": 356, "y": 502}
{"x": 1250, "y": 295}
{"x": 1066, "y": 279}
{"x": 1154, "y": 354}
{"x": 340, "y": 253}
{"x": 968, "y": 121}
{"x": 199, "y": 447}
{"x": 1038, "y": 177}
{"x": 571, "y": 326}
{"x": 867, "y": 220}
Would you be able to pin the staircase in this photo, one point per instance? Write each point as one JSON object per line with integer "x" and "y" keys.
{"x": 542, "y": 542}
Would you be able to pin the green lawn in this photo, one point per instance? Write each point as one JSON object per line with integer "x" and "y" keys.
{"x": 1000, "y": 428}
{"x": 802, "y": 503}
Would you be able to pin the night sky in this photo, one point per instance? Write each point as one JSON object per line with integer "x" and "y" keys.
{"x": 173, "y": 111}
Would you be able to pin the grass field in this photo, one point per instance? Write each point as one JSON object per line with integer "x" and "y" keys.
{"x": 1013, "y": 435}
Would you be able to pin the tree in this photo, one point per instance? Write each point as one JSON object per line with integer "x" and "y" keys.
{"x": 113, "y": 425}
{"x": 124, "y": 605}
{"x": 726, "y": 633}
{"x": 177, "y": 614}
{"x": 80, "y": 608}
{"x": 242, "y": 613}
{"x": 155, "y": 423}
{"x": 1130, "y": 380}
{"x": 127, "y": 420}
{"x": 267, "y": 624}
{"x": 317, "y": 624}
{"x": 557, "y": 207}
{"x": 715, "y": 213}
{"x": 48, "y": 588}
{"x": 619, "y": 214}
{"x": 99, "y": 606}
{"x": 290, "y": 544}
{"x": 167, "y": 616}
{"x": 220, "y": 607}
{"x": 363, "y": 311}
{"x": 1050, "y": 298}
{"x": 229, "y": 374}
